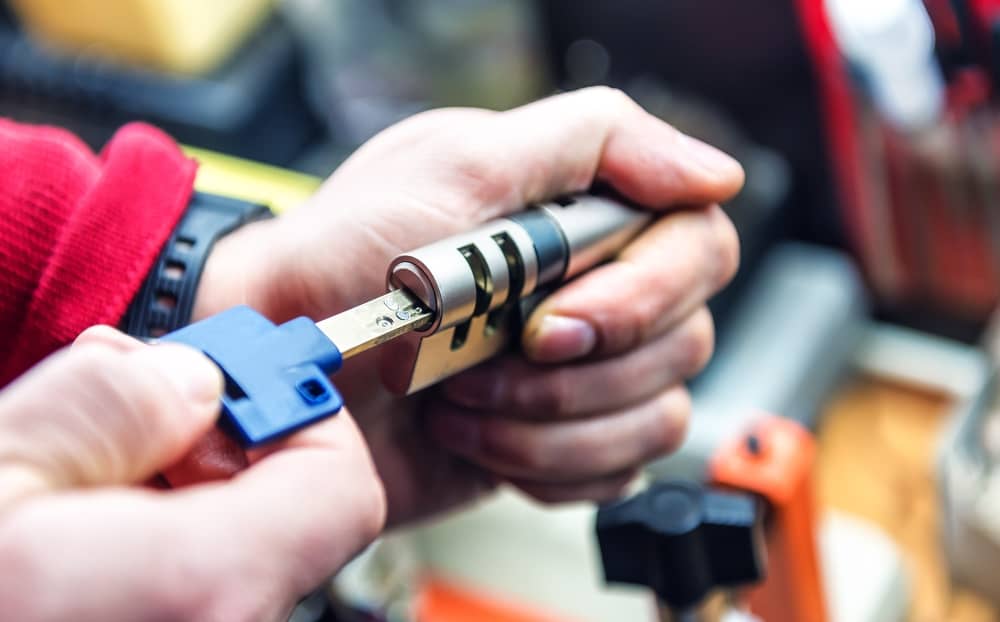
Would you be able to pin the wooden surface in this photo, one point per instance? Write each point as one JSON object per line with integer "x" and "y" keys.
{"x": 876, "y": 460}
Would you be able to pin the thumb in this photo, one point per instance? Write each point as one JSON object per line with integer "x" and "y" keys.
{"x": 97, "y": 415}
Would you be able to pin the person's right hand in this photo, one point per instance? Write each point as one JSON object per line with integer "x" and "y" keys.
{"x": 81, "y": 539}
{"x": 599, "y": 390}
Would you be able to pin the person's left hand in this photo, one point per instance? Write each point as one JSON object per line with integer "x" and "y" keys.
{"x": 82, "y": 537}
{"x": 600, "y": 390}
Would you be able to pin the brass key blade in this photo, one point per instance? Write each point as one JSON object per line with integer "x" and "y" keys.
{"x": 376, "y": 322}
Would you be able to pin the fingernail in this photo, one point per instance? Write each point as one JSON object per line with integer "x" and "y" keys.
{"x": 708, "y": 158}
{"x": 561, "y": 338}
{"x": 456, "y": 432}
{"x": 192, "y": 373}
{"x": 476, "y": 389}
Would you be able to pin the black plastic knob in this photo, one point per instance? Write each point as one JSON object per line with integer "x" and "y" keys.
{"x": 683, "y": 541}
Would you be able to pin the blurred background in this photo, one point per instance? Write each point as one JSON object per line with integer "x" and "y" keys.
{"x": 852, "y": 397}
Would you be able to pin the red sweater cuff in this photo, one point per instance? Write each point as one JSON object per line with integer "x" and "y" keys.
{"x": 78, "y": 233}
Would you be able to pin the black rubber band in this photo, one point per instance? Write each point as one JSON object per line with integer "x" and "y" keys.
{"x": 166, "y": 299}
{"x": 550, "y": 245}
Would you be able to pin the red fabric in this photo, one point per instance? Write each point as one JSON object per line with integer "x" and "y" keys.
{"x": 841, "y": 123}
{"x": 79, "y": 232}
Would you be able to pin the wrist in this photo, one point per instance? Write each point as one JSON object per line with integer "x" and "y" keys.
{"x": 168, "y": 296}
{"x": 237, "y": 270}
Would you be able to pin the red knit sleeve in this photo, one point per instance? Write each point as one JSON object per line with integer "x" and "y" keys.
{"x": 79, "y": 232}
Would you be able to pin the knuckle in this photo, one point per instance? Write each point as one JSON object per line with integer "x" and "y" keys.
{"x": 93, "y": 334}
{"x": 698, "y": 342}
{"x": 89, "y": 359}
{"x": 480, "y": 180}
{"x": 625, "y": 327}
{"x": 610, "y": 100}
{"x": 375, "y": 507}
{"x": 553, "y": 396}
{"x": 673, "y": 411}
{"x": 621, "y": 334}
{"x": 528, "y": 452}
{"x": 433, "y": 120}
{"x": 536, "y": 458}
{"x": 727, "y": 248}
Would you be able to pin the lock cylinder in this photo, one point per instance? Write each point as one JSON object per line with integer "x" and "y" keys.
{"x": 474, "y": 282}
{"x": 467, "y": 275}
{"x": 508, "y": 259}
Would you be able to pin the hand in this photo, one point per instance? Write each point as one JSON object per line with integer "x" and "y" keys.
{"x": 80, "y": 539}
{"x": 601, "y": 389}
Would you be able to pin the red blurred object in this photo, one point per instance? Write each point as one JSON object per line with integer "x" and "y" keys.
{"x": 774, "y": 461}
{"x": 841, "y": 124}
{"x": 946, "y": 26}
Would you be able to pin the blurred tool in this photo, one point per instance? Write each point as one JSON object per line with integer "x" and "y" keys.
{"x": 969, "y": 482}
{"x": 685, "y": 543}
{"x": 774, "y": 461}
{"x": 251, "y": 106}
{"x": 460, "y": 300}
{"x": 372, "y": 63}
{"x": 182, "y": 36}
{"x": 756, "y": 211}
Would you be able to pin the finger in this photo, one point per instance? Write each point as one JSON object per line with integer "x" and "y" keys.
{"x": 522, "y": 389}
{"x": 599, "y": 490}
{"x": 561, "y": 144}
{"x": 218, "y": 456}
{"x": 91, "y": 415}
{"x": 564, "y": 451}
{"x": 601, "y": 133}
{"x": 661, "y": 278}
{"x": 462, "y": 167}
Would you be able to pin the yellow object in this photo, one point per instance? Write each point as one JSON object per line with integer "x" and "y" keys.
{"x": 278, "y": 188}
{"x": 181, "y": 36}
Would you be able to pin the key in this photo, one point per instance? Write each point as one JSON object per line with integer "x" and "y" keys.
{"x": 277, "y": 377}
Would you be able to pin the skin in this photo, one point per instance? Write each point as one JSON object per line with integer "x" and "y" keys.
{"x": 82, "y": 539}
{"x": 597, "y": 392}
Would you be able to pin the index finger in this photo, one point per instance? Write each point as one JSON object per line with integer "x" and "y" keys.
{"x": 478, "y": 164}
{"x": 666, "y": 274}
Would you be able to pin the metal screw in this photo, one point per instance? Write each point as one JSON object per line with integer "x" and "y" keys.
{"x": 403, "y": 314}
{"x": 384, "y": 322}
